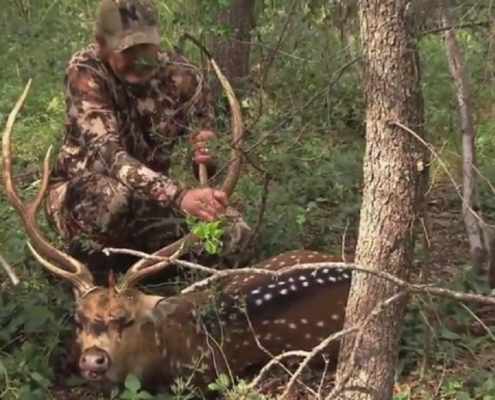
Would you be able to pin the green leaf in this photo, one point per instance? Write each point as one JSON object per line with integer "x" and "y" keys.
{"x": 199, "y": 231}
{"x": 448, "y": 334}
{"x": 210, "y": 247}
{"x": 463, "y": 396}
{"x": 37, "y": 317}
{"x": 132, "y": 383}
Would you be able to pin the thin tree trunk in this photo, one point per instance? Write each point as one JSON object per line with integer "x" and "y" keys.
{"x": 478, "y": 234}
{"x": 392, "y": 199}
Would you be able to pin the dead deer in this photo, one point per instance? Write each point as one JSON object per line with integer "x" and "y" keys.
{"x": 121, "y": 330}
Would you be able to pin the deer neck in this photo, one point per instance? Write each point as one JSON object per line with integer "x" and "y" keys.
{"x": 186, "y": 350}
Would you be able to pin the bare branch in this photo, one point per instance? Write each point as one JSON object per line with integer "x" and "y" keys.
{"x": 9, "y": 271}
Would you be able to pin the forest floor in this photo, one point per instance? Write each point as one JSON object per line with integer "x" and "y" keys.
{"x": 315, "y": 161}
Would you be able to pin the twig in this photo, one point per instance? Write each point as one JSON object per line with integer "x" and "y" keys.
{"x": 413, "y": 288}
{"x": 9, "y": 271}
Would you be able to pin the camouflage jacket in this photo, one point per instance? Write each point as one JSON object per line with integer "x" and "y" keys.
{"x": 128, "y": 133}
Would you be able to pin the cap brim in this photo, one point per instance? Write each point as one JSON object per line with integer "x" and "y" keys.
{"x": 145, "y": 36}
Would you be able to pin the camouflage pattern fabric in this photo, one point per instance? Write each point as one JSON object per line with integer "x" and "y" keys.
{"x": 110, "y": 182}
{"x": 125, "y": 23}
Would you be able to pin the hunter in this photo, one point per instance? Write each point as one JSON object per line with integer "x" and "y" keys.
{"x": 125, "y": 110}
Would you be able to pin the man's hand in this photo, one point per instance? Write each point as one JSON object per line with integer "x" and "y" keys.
{"x": 200, "y": 151}
{"x": 204, "y": 203}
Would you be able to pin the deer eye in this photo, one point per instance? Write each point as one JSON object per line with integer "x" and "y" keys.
{"x": 77, "y": 322}
{"x": 128, "y": 323}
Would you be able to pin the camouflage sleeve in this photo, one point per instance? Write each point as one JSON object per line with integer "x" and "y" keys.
{"x": 91, "y": 112}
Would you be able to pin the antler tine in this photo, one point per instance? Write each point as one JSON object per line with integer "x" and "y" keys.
{"x": 45, "y": 253}
{"x": 150, "y": 266}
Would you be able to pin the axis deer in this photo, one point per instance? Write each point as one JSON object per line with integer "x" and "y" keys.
{"x": 121, "y": 330}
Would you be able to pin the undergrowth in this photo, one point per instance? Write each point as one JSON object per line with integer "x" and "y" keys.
{"x": 314, "y": 164}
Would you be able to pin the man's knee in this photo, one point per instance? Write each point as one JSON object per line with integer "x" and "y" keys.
{"x": 98, "y": 204}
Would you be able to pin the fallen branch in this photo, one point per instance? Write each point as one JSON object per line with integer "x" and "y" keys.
{"x": 9, "y": 271}
{"x": 411, "y": 287}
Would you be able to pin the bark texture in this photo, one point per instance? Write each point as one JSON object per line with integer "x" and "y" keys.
{"x": 232, "y": 52}
{"x": 394, "y": 167}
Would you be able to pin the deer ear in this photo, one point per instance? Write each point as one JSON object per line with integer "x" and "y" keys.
{"x": 167, "y": 306}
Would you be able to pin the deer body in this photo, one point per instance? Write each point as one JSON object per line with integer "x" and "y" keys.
{"x": 121, "y": 330}
{"x": 205, "y": 333}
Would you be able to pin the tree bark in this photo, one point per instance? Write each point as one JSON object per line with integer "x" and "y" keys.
{"x": 395, "y": 165}
{"x": 232, "y": 52}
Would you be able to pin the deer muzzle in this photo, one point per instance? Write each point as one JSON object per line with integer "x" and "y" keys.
{"x": 94, "y": 363}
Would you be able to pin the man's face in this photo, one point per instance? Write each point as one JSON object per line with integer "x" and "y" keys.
{"x": 136, "y": 64}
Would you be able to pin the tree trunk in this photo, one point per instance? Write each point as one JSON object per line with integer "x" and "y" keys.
{"x": 393, "y": 172}
{"x": 477, "y": 230}
{"x": 232, "y": 51}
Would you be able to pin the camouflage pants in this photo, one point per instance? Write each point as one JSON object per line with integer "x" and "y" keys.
{"x": 107, "y": 213}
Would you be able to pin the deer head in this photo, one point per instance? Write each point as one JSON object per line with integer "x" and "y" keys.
{"x": 110, "y": 320}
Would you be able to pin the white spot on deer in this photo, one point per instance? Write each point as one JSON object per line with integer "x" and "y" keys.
{"x": 256, "y": 291}
{"x": 280, "y": 321}
{"x": 320, "y": 281}
{"x": 281, "y": 264}
{"x": 259, "y": 302}
{"x": 302, "y": 278}
{"x": 332, "y": 278}
{"x": 293, "y": 287}
{"x": 304, "y": 321}
{"x": 284, "y": 292}
{"x": 305, "y": 284}
{"x": 265, "y": 322}
{"x": 320, "y": 324}
{"x": 271, "y": 286}
{"x": 245, "y": 343}
{"x": 292, "y": 326}
{"x": 267, "y": 296}
{"x": 293, "y": 256}
{"x": 307, "y": 336}
{"x": 325, "y": 270}
{"x": 268, "y": 336}
{"x": 335, "y": 317}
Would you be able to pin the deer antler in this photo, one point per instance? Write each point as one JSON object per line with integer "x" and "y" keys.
{"x": 150, "y": 266}
{"x": 46, "y": 254}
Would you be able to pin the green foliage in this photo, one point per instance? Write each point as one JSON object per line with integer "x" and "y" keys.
{"x": 308, "y": 140}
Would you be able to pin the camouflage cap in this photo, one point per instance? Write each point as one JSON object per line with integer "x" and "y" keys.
{"x": 125, "y": 23}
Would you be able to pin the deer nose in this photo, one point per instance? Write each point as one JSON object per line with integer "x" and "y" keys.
{"x": 94, "y": 360}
